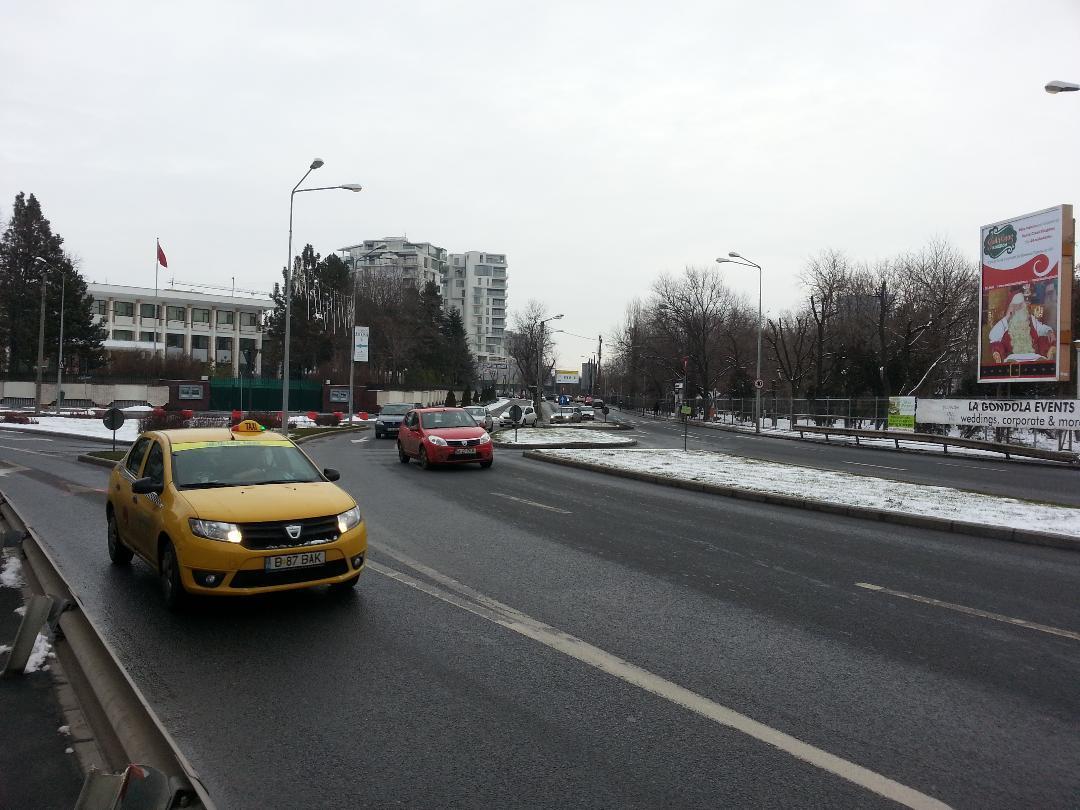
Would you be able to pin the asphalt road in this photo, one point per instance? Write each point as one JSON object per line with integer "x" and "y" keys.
{"x": 533, "y": 635}
{"x": 1054, "y": 483}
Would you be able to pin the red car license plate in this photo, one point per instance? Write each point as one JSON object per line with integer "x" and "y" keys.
{"x": 465, "y": 451}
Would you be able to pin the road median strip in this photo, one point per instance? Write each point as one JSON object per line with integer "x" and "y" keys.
{"x": 902, "y": 503}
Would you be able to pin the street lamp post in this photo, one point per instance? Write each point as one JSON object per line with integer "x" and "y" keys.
{"x": 540, "y": 368}
{"x": 1055, "y": 87}
{"x": 41, "y": 340}
{"x": 735, "y": 258}
{"x": 315, "y": 164}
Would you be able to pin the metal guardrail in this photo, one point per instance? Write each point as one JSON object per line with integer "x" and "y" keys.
{"x": 126, "y": 727}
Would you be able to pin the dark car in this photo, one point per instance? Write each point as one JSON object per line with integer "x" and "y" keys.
{"x": 443, "y": 436}
{"x": 389, "y": 419}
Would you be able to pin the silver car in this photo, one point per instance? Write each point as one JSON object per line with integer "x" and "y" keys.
{"x": 481, "y": 415}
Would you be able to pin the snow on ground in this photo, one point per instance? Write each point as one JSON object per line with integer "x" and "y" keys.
{"x": 11, "y": 573}
{"x": 497, "y": 407}
{"x": 21, "y": 610}
{"x": 40, "y": 655}
{"x": 558, "y": 435}
{"x": 80, "y": 427}
{"x": 842, "y": 488}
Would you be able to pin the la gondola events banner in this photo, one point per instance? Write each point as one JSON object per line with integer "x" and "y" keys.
{"x": 1025, "y": 311}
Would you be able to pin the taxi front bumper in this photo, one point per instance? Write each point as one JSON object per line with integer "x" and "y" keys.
{"x": 239, "y": 571}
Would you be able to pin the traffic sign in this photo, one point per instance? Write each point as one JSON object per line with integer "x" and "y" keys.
{"x": 759, "y": 384}
{"x": 515, "y": 414}
{"x": 113, "y": 419}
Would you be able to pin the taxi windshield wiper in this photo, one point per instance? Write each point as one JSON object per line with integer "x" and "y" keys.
{"x": 281, "y": 481}
{"x": 206, "y": 485}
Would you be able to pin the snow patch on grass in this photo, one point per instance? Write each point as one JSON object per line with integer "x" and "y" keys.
{"x": 11, "y": 573}
{"x": 847, "y": 489}
{"x": 558, "y": 435}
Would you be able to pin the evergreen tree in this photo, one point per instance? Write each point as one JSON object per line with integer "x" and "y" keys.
{"x": 29, "y": 236}
{"x": 458, "y": 359}
{"x": 451, "y": 400}
{"x": 466, "y": 397}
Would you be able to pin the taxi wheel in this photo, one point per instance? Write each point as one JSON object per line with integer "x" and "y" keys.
{"x": 118, "y": 552}
{"x": 342, "y": 588}
{"x": 172, "y": 589}
{"x": 424, "y": 463}
{"x": 404, "y": 459}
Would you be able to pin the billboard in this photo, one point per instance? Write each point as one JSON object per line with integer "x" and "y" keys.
{"x": 360, "y": 344}
{"x": 901, "y": 413}
{"x": 567, "y": 377}
{"x": 1041, "y": 414}
{"x": 1025, "y": 312}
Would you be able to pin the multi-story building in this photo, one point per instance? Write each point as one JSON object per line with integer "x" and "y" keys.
{"x": 475, "y": 285}
{"x": 418, "y": 261}
{"x": 224, "y": 329}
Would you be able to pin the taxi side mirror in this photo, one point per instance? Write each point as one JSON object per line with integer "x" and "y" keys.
{"x": 331, "y": 475}
{"x": 147, "y": 486}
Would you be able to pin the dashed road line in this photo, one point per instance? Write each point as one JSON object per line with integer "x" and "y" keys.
{"x": 970, "y": 611}
{"x": 532, "y": 503}
{"x": 876, "y": 466}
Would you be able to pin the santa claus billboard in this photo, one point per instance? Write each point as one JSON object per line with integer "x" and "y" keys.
{"x": 1026, "y": 293}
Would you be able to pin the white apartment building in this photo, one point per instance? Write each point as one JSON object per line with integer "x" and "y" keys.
{"x": 419, "y": 261}
{"x": 203, "y": 326}
{"x": 475, "y": 285}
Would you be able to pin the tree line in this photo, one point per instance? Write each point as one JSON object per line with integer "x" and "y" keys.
{"x": 906, "y": 325}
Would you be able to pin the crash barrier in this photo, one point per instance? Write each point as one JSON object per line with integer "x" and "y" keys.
{"x": 1009, "y": 450}
{"x": 125, "y": 728}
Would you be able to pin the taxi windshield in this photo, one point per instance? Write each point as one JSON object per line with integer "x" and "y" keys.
{"x": 446, "y": 419}
{"x": 237, "y": 463}
{"x": 395, "y": 410}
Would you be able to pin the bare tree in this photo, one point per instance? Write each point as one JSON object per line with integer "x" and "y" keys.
{"x": 791, "y": 341}
{"x": 826, "y": 277}
{"x": 524, "y": 345}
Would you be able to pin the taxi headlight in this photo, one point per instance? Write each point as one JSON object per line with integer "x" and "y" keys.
{"x": 437, "y": 440}
{"x": 485, "y": 439}
{"x": 215, "y": 530}
{"x": 349, "y": 520}
{"x": 380, "y": 422}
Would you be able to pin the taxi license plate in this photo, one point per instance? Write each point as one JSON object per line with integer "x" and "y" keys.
{"x": 305, "y": 559}
{"x": 465, "y": 451}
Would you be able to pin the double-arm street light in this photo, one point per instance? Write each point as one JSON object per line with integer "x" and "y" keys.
{"x": 1055, "y": 87}
{"x": 540, "y": 367}
{"x": 315, "y": 164}
{"x": 736, "y": 258}
{"x": 41, "y": 337}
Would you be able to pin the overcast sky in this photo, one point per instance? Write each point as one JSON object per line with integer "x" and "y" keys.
{"x": 597, "y": 144}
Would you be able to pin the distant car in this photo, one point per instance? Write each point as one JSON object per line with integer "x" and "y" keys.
{"x": 528, "y": 417}
{"x": 390, "y": 417}
{"x": 443, "y": 436}
{"x": 587, "y": 413}
{"x": 481, "y": 415}
{"x": 567, "y": 414}
{"x": 597, "y": 403}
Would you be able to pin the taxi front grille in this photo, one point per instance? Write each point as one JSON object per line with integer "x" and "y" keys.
{"x": 262, "y": 579}
{"x": 274, "y": 534}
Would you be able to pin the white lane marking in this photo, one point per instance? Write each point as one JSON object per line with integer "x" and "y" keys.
{"x": 504, "y": 615}
{"x": 532, "y": 503}
{"x": 28, "y": 439}
{"x": 972, "y": 467}
{"x": 877, "y": 466}
{"x": 31, "y": 452}
{"x": 357, "y": 441}
{"x": 984, "y": 614}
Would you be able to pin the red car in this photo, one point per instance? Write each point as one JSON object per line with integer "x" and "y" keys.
{"x": 443, "y": 436}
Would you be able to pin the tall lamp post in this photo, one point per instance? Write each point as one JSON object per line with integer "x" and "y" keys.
{"x": 315, "y": 164}
{"x": 540, "y": 367}
{"x": 1055, "y": 87}
{"x": 41, "y": 334}
{"x": 41, "y": 338}
{"x": 736, "y": 258}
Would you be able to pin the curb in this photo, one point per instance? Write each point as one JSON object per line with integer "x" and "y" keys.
{"x": 98, "y": 462}
{"x": 917, "y": 521}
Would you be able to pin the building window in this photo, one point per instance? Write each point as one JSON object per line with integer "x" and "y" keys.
{"x": 147, "y": 337}
{"x": 174, "y": 342}
{"x": 123, "y": 334}
{"x": 224, "y": 344}
{"x": 200, "y": 342}
{"x": 148, "y": 311}
{"x": 175, "y": 313}
{"x": 249, "y": 319}
{"x": 99, "y": 307}
{"x": 200, "y": 316}
{"x": 123, "y": 309}
{"x": 225, "y": 317}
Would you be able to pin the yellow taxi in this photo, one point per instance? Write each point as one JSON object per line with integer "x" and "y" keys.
{"x": 226, "y": 512}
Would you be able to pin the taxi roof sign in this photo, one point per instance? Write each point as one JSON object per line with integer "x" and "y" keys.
{"x": 248, "y": 426}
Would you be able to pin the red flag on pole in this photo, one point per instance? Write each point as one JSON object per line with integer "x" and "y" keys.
{"x": 161, "y": 256}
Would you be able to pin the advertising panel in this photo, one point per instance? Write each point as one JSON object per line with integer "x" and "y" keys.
{"x": 189, "y": 391}
{"x": 902, "y": 413}
{"x": 339, "y": 394}
{"x": 567, "y": 377}
{"x": 1024, "y": 302}
{"x": 360, "y": 344}
{"x": 1041, "y": 414}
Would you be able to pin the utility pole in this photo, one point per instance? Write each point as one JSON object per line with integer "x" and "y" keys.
{"x": 599, "y": 358}
{"x": 40, "y": 348}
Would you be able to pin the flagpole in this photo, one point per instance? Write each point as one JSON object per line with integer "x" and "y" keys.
{"x": 157, "y": 267}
